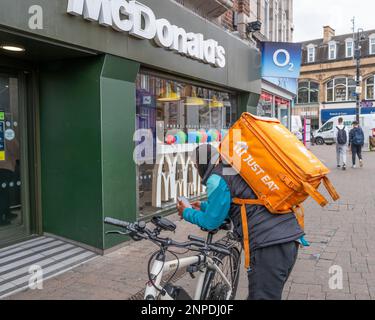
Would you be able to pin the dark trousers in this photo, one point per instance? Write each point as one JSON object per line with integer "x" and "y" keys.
{"x": 356, "y": 151}
{"x": 270, "y": 270}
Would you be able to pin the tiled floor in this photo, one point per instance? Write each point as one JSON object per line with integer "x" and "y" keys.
{"x": 17, "y": 262}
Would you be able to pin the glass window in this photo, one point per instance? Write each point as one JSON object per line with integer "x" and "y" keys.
{"x": 12, "y": 213}
{"x": 308, "y": 92}
{"x": 327, "y": 127}
{"x": 341, "y": 89}
{"x": 349, "y": 48}
{"x": 310, "y": 54}
{"x": 372, "y": 45}
{"x": 332, "y": 51}
{"x": 266, "y": 18}
{"x": 179, "y": 116}
{"x": 314, "y": 92}
{"x": 265, "y": 105}
{"x": 370, "y": 88}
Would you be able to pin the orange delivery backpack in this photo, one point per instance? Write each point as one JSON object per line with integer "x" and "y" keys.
{"x": 280, "y": 170}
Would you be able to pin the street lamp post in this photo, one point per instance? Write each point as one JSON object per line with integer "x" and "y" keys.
{"x": 357, "y": 56}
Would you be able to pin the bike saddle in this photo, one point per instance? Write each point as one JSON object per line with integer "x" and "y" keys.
{"x": 164, "y": 223}
{"x": 226, "y": 226}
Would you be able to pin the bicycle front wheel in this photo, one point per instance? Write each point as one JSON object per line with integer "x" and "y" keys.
{"x": 215, "y": 288}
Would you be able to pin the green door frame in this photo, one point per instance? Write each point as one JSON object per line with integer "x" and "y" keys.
{"x": 30, "y": 156}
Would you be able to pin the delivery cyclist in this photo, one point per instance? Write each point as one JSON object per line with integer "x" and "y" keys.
{"x": 274, "y": 239}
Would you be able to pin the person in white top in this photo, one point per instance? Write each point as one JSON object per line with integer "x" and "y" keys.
{"x": 341, "y": 139}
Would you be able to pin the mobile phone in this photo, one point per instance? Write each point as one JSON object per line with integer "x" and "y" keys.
{"x": 185, "y": 201}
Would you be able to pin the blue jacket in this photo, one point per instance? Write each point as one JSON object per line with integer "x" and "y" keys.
{"x": 356, "y": 134}
{"x": 213, "y": 212}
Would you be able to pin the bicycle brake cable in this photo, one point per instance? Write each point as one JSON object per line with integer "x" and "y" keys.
{"x": 149, "y": 271}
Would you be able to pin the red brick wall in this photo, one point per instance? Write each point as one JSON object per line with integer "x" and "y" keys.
{"x": 240, "y": 6}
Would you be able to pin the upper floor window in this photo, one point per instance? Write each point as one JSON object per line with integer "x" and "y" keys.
{"x": 340, "y": 89}
{"x": 370, "y": 88}
{"x": 332, "y": 50}
{"x": 349, "y": 48}
{"x": 308, "y": 92}
{"x": 310, "y": 54}
{"x": 266, "y": 18}
{"x": 372, "y": 44}
{"x": 277, "y": 21}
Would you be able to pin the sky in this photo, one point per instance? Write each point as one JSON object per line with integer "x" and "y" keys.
{"x": 311, "y": 15}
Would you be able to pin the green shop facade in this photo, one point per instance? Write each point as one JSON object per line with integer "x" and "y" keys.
{"x": 84, "y": 86}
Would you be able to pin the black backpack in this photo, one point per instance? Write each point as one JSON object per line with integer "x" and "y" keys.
{"x": 342, "y": 137}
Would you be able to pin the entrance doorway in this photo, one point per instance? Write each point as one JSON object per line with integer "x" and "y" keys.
{"x": 14, "y": 198}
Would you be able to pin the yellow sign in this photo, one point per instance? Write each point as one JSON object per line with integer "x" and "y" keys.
{"x": 2, "y": 155}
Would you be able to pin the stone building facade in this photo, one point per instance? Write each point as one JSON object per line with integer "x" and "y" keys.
{"x": 327, "y": 85}
{"x": 276, "y": 16}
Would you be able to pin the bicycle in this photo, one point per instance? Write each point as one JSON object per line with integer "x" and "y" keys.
{"x": 217, "y": 264}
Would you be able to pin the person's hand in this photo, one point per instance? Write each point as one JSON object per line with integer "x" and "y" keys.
{"x": 180, "y": 208}
{"x": 196, "y": 205}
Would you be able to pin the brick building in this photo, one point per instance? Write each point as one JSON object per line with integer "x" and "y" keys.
{"x": 276, "y": 16}
{"x": 327, "y": 85}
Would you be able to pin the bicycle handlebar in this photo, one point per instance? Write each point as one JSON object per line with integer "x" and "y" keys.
{"x": 145, "y": 233}
{"x": 116, "y": 222}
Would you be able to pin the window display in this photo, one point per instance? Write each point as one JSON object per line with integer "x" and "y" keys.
{"x": 177, "y": 117}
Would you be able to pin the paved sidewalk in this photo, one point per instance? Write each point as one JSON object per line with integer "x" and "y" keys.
{"x": 341, "y": 234}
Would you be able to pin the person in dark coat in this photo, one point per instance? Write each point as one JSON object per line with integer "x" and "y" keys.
{"x": 274, "y": 239}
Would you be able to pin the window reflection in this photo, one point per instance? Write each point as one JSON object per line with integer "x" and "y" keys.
{"x": 178, "y": 116}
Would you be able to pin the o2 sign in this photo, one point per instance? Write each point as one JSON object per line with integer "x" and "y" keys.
{"x": 286, "y": 62}
{"x": 281, "y": 60}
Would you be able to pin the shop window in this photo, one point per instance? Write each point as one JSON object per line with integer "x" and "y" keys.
{"x": 370, "y": 88}
{"x": 340, "y": 89}
{"x": 265, "y": 105}
{"x": 177, "y": 116}
{"x": 308, "y": 92}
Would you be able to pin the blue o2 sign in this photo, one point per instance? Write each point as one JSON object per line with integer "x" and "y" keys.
{"x": 281, "y": 63}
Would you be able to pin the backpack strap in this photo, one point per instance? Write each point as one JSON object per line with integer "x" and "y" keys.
{"x": 315, "y": 194}
{"x": 331, "y": 189}
{"x": 245, "y": 226}
{"x": 299, "y": 212}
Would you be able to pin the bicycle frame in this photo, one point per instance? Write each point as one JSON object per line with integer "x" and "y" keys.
{"x": 159, "y": 268}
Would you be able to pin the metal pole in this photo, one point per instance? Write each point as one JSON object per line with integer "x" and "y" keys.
{"x": 358, "y": 75}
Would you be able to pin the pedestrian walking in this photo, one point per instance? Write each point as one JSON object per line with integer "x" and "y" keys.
{"x": 341, "y": 139}
{"x": 356, "y": 142}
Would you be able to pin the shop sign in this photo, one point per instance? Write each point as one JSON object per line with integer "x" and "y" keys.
{"x": 327, "y": 114}
{"x": 140, "y": 21}
{"x": 281, "y": 64}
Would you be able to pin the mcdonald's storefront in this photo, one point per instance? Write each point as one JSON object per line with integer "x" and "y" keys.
{"x": 83, "y": 91}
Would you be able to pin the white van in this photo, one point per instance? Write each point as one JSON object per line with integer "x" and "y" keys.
{"x": 325, "y": 134}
